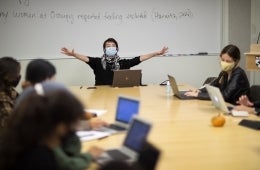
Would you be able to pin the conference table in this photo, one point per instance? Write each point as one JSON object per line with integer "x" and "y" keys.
{"x": 181, "y": 130}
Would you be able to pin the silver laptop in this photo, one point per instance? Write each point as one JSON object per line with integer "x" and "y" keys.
{"x": 132, "y": 145}
{"x": 217, "y": 99}
{"x": 179, "y": 94}
{"x": 126, "y": 78}
{"x": 127, "y": 107}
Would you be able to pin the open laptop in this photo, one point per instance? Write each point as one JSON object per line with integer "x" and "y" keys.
{"x": 126, "y": 78}
{"x": 127, "y": 107}
{"x": 175, "y": 89}
{"x": 132, "y": 145}
{"x": 219, "y": 102}
{"x": 217, "y": 98}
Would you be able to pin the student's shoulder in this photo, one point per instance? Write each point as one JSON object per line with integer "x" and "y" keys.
{"x": 239, "y": 72}
{"x": 7, "y": 97}
{"x": 40, "y": 158}
{"x": 239, "y": 69}
{"x": 40, "y": 152}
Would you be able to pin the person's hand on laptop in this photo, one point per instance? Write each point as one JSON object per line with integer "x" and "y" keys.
{"x": 97, "y": 123}
{"x": 95, "y": 152}
{"x": 243, "y": 100}
{"x": 245, "y": 105}
{"x": 92, "y": 123}
{"x": 194, "y": 93}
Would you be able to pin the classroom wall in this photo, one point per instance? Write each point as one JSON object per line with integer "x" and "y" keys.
{"x": 186, "y": 69}
{"x": 255, "y": 29}
{"x": 240, "y": 25}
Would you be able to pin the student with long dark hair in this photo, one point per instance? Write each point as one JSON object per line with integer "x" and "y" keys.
{"x": 44, "y": 115}
{"x": 9, "y": 79}
{"x": 232, "y": 80}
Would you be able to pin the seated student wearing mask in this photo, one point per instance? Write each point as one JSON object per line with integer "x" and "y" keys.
{"x": 232, "y": 80}
{"x": 246, "y": 105}
{"x": 9, "y": 79}
{"x": 103, "y": 67}
{"x": 44, "y": 115}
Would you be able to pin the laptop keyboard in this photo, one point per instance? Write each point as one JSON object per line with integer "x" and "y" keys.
{"x": 117, "y": 155}
{"x": 118, "y": 128}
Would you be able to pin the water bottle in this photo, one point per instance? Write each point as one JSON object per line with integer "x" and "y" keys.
{"x": 168, "y": 88}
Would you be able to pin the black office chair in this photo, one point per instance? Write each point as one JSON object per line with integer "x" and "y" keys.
{"x": 255, "y": 92}
{"x": 209, "y": 80}
{"x": 148, "y": 157}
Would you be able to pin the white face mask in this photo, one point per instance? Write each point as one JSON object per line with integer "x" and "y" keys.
{"x": 225, "y": 66}
{"x": 111, "y": 51}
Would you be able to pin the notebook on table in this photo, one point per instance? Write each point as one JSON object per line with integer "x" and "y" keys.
{"x": 127, "y": 107}
{"x": 132, "y": 145}
{"x": 126, "y": 78}
{"x": 179, "y": 94}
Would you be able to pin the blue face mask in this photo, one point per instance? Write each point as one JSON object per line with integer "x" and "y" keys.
{"x": 111, "y": 51}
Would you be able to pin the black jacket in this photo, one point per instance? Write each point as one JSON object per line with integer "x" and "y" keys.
{"x": 231, "y": 88}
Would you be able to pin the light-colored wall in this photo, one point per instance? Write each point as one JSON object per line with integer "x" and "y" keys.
{"x": 240, "y": 26}
{"x": 255, "y": 29}
{"x": 186, "y": 69}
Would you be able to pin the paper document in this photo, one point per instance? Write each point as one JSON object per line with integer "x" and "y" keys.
{"x": 91, "y": 135}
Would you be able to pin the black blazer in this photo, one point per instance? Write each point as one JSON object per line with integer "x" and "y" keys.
{"x": 231, "y": 88}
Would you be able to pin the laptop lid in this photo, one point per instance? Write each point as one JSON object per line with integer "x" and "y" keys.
{"x": 133, "y": 143}
{"x": 126, "y": 78}
{"x": 174, "y": 85}
{"x": 136, "y": 136}
{"x": 127, "y": 107}
{"x": 217, "y": 98}
{"x": 180, "y": 94}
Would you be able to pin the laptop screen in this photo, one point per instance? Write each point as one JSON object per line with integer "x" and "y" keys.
{"x": 137, "y": 135}
{"x": 126, "y": 108}
{"x": 126, "y": 78}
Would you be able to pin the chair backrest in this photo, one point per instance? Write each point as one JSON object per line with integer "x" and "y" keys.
{"x": 209, "y": 80}
{"x": 255, "y": 92}
{"x": 148, "y": 156}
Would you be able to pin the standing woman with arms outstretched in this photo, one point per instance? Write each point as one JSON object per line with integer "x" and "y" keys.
{"x": 103, "y": 67}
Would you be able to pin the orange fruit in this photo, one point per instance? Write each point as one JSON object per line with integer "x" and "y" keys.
{"x": 218, "y": 121}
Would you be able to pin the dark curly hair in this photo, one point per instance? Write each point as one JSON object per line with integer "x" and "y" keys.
{"x": 9, "y": 71}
